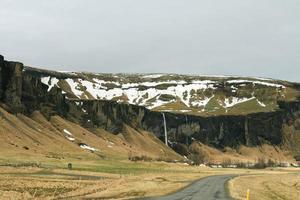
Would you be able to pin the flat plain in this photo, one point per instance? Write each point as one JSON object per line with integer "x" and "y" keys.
{"x": 122, "y": 179}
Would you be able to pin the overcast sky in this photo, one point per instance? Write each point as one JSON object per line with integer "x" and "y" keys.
{"x": 208, "y": 37}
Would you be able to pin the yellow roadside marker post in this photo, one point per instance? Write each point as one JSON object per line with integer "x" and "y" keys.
{"x": 248, "y": 195}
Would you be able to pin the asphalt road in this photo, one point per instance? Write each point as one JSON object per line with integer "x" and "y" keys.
{"x": 210, "y": 188}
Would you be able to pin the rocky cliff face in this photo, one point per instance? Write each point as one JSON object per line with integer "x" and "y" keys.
{"x": 218, "y": 131}
{"x": 1, "y": 74}
{"x": 26, "y": 91}
{"x": 35, "y": 96}
{"x": 11, "y": 84}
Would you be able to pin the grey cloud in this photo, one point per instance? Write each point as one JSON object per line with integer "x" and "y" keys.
{"x": 233, "y": 37}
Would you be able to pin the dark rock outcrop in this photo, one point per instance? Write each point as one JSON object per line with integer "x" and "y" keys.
{"x": 35, "y": 96}
{"x": 11, "y": 84}
{"x": 219, "y": 131}
{"x": 1, "y": 74}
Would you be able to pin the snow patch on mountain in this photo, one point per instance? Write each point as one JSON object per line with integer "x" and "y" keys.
{"x": 85, "y": 146}
{"x": 50, "y": 81}
{"x": 230, "y": 102}
{"x": 157, "y": 90}
{"x": 257, "y": 82}
{"x": 68, "y": 132}
{"x": 74, "y": 87}
{"x": 261, "y": 103}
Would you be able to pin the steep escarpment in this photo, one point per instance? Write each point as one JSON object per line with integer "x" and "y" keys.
{"x": 219, "y": 112}
{"x": 291, "y": 126}
{"x": 252, "y": 130}
{"x": 219, "y": 131}
{"x": 24, "y": 130}
{"x": 11, "y": 84}
{"x": 35, "y": 96}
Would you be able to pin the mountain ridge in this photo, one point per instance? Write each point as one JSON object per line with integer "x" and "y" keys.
{"x": 183, "y": 93}
{"x": 247, "y": 123}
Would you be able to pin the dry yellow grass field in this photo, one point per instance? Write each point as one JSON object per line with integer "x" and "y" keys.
{"x": 40, "y": 183}
{"x": 151, "y": 180}
{"x": 124, "y": 180}
{"x": 280, "y": 185}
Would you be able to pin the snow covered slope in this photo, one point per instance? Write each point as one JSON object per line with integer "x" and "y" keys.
{"x": 196, "y": 95}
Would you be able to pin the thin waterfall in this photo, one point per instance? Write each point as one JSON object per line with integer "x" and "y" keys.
{"x": 186, "y": 137}
{"x": 165, "y": 129}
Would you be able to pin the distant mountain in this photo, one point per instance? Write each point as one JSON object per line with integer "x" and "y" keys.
{"x": 195, "y": 95}
{"x": 215, "y": 118}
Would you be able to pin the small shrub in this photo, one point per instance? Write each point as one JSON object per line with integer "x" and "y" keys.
{"x": 271, "y": 163}
{"x": 25, "y": 147}
{"x": 197, "y": 158}
{"x": 139, "y": 158}
{"x": 261, "y": 164}
{"x": 226, "y": 162}
{"x": 297, "y": 157}
{"x": 70, "y": 166}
